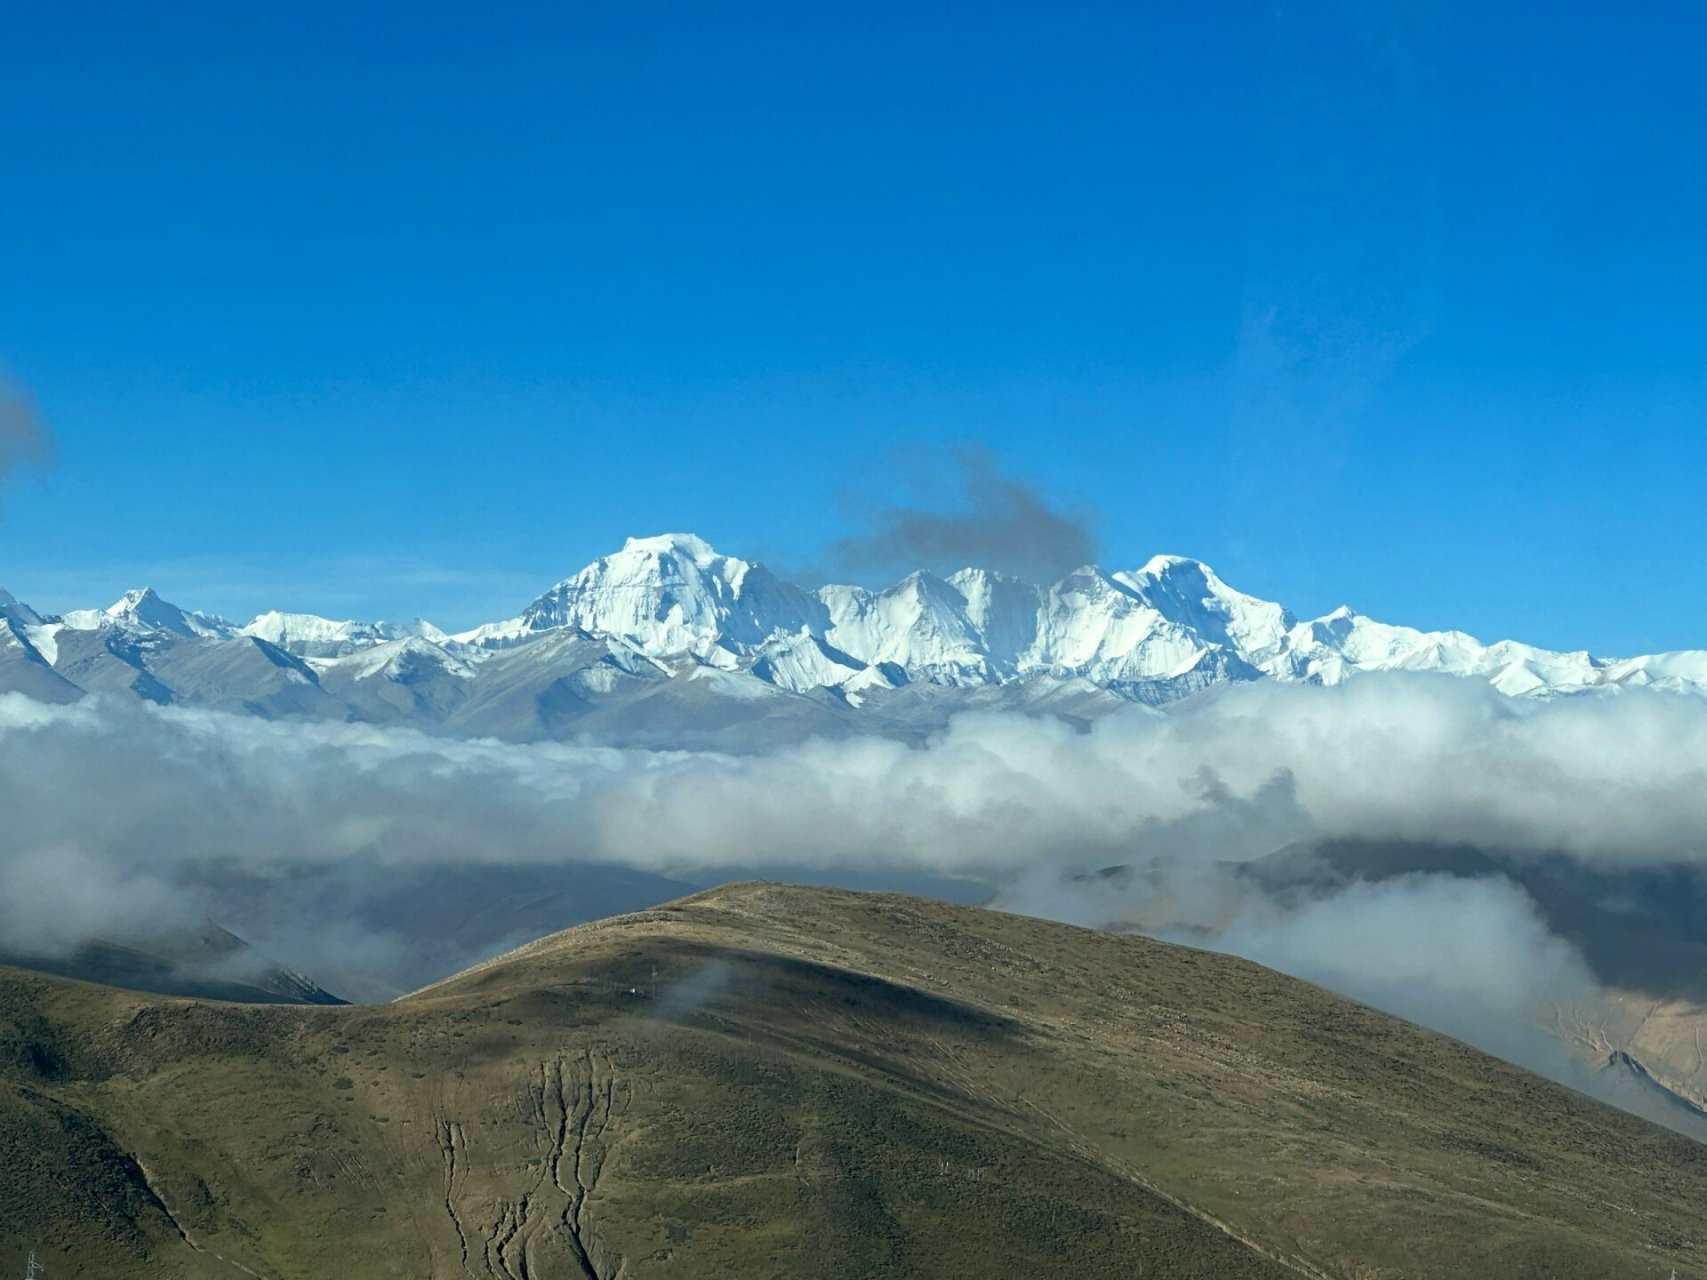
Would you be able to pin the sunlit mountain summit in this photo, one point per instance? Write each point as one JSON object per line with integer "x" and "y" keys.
{"x": 669, "y": 638}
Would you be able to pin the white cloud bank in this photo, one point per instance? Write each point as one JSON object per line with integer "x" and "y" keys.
{"x": 112, "y": 811}
{"x": 111, "y": 793}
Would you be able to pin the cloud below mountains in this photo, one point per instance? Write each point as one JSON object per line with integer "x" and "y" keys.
{"x": 117, "y": 812}
{"x": 147, "y": 795}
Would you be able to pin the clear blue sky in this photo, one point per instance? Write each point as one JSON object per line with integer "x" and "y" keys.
{"x": 390, "y": 309}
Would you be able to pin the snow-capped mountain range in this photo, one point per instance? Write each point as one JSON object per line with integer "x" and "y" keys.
{"x": 670, "y": 641}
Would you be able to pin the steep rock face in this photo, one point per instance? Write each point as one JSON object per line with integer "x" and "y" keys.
{"x": 638, "y": 633}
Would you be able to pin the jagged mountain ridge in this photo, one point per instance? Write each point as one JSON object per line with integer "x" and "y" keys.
{"x": 669, "y": 638}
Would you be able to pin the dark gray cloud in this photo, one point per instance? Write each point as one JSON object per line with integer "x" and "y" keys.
{"x": 986, "y": 520}
{"x": 23, "y": 437}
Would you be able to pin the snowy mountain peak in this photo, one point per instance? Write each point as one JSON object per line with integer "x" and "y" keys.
{"x": 402, "y": 658}
{"x": 310, "y": 636}
{"x": 672, "y": 608}
{"x": 143, "y": 609}
{"x": 978, "y": 579}
{"x": 1164, "y": 565}
{"x": 688, "y": 545}
{"x": 1189, "y": 593}
{"x": 669, "y": 595}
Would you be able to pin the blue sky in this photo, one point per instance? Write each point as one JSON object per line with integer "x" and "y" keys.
{"x": 392, "y": 309}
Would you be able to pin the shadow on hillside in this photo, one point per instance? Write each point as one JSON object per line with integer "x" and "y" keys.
{"x": 675, "y": 980}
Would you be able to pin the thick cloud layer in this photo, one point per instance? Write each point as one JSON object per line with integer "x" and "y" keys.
{"x": 116, "y": 812}
{"x": 109, "y": 793}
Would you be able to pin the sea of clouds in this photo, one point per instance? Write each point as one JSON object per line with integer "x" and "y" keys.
{"x": 115, "y": 812}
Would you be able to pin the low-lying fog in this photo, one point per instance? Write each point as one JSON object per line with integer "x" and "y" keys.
{"x": 343, "y": 850}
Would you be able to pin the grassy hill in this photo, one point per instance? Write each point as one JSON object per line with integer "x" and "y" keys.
{"x": 770, "y": 1081}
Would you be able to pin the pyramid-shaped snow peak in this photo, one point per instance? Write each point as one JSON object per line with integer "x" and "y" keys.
{"x": 143, "y": 609}
{"x": 675, "y": 594}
